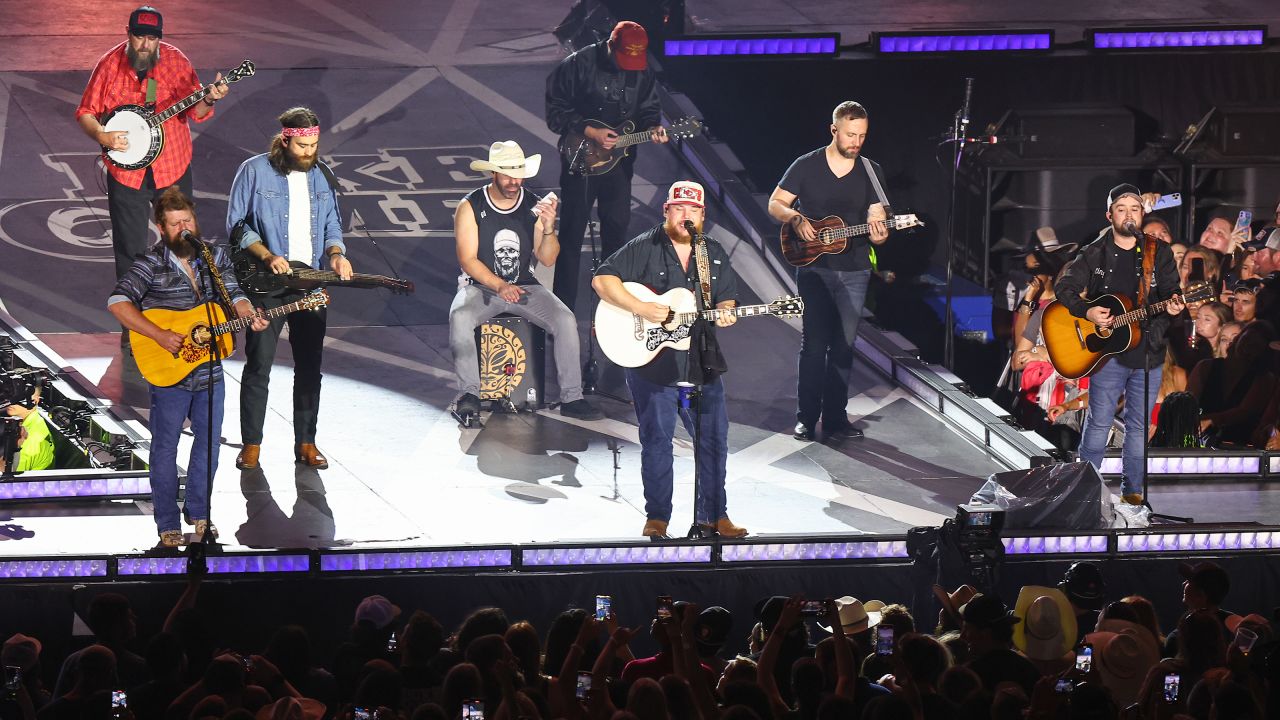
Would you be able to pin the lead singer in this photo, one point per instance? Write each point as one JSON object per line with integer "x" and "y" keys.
{"x": 660, "y": 258}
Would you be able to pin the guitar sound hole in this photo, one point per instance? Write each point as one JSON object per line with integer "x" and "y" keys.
{"x": 825, "y": 237}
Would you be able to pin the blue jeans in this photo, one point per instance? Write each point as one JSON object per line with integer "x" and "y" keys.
{"x": 1105, "y": 389}
{"x": 833, "y": 301}
{"x": 656, "y": 410}
{"x": 171, "y": 407}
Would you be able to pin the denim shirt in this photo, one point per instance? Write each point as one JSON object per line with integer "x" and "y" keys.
{"x": 262, "y": 194}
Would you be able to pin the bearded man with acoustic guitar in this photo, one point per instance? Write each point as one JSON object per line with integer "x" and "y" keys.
{"x": 592, "y": 94}
{"x": 172, "y": 276}
{"x": 1113, "y": 264}
{"x": 830, "y": 181}
{"x": 143, "y": 71}
{"x": 288, "y": 209}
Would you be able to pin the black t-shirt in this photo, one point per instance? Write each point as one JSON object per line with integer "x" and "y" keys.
{"x": 650, "y": 259}
{"x": 506, "y": 236}
{"x": 819, "y": 194}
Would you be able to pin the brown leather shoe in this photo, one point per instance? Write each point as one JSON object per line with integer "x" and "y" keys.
{"x": 654, "y": 528}
{"x": 308, "y": 454}
{"x": 727, "y": 529}
{"x": 248, "y": 457}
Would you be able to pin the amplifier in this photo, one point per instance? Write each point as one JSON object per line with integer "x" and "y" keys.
{"x": 1251, "y": 131}
{"x": 1074, "y": 132}
{"x": 512, "y": 354}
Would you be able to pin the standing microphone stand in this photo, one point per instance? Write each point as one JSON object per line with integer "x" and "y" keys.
{"x": 959, "y": 126}
{"x": 691, "y": 398}
{"x": 207, "y": 542}
{"x": 590, "y": 368}
{"x": 1146, "y": 393}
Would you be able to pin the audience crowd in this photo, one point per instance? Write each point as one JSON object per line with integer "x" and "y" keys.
{"x": 1223, "y": 353}
{"x": 1069, "y": 651}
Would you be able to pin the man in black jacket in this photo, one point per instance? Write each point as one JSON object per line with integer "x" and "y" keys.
{"x": 609, "y": 82}
{"x": 1113, "y": 264}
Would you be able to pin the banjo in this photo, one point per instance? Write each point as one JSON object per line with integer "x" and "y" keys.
{"x": 146, "y": 128}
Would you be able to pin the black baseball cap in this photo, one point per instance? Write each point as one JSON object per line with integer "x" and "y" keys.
{"x": 988, "y": 611}
{"x": 1083, "y": 585}
{"x": 1120, "y": 191}
{"x": 1209, "y": 578}
{"x": 146, "y": 20}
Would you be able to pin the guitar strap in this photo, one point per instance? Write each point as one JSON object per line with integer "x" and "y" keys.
{"x": 884, "y": 202}
{"x": 704, "y": 272}
{"x": 218, "y": 284}
{"x": 1148, "y": 268}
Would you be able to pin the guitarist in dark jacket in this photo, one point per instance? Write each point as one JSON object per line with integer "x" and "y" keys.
{"x": 1112, "y": 264}
{"x": 609, "y": 82}
{"x": 289, "y": 213}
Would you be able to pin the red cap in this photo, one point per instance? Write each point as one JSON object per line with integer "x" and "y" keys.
{"x": 630, "y": 43}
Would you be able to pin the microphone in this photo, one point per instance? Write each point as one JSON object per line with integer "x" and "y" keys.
{"x": 1132, "y": 229}
{"x": 191, "y": 240}
{"x": 968, "y": 96}
{"x": 689, "y": 228}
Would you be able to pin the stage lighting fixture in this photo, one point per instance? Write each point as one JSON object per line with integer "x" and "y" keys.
{"x": 753, "y": 45}
{"x": 631, "y": 554}
{"x": 963, "y": 42}
{"x": 53, "y": 568}
{"x": 894, "y": 549}
{"x": 1177, "y": 37}
{"x": 497, "y": 558}
{"x": 68, "y": 486}
{"x": 1198, "y": 542}
{"x": 1207, "y": 462}
{"x": 219, "y": 564}
{"x": 1055, "y": 545}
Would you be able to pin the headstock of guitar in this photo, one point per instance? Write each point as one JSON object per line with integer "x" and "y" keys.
{"x": 685, "y": 128}
{"x": 314, "y": 300}
{"x": 787, "y": 306}
{"x": 902, "y": 222}
{"x": 243, "y": 70}
{"x": 1197, "y": 292}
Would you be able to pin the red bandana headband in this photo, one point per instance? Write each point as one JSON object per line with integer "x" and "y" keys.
{"x": 301, "y": 132}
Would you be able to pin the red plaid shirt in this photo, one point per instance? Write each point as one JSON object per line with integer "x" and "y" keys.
{"x": 114, "y": 83}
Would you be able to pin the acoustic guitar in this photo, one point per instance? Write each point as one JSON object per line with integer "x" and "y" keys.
{"x": 145, "y": 128}
{"x": 587, "y": 157}
{"x": 1078, "y": 347}
{"x": 832, "y": 237}
{"x": 163, "y": 368}
{"x": 631, "y": 341}
{"x": 257, "y": 279}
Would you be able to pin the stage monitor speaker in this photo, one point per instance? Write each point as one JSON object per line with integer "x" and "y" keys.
{"x": 1248, "y": 131}
{"x": 512, "y": 356}
{"x": 1066, "y": 496}
{"x": 1075, "y": 132}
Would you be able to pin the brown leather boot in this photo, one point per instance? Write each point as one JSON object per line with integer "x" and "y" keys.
{"x": 654, "y": 528}
{"x": 308, "y": 454}
{"x": 248, "y": 457}
{"x": 727, "y": 529}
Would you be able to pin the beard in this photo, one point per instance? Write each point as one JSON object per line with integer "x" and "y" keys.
{"x": 1119, "y": 230}
{"x": 300, "y": 164}
{"x": 673, "y": 231}
{"x": 179, "y": 246}
{"x": 141, "y": 64}
{"x": 847, "y": 151}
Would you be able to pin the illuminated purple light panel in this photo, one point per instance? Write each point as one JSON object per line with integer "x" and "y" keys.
{"x": 964, "y": 43}
{"x": 416, "y": 560}
{"x": 1051, "y": 545}
{"x": 152, "y": 566}
{"x": 775, "y": 552}
{"x": 628, "y": 555}
{"x": 1177, "y": 39}
{"x": 10, "y": 569}
{"x": 243, "y": 564}
{"x": 93, "y": 487}
{"x": 1208, "y": 464}
{"x": 751, "y": 46}
{"x": 1183, "y": 542}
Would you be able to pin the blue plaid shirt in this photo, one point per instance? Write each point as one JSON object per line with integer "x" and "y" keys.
{"x": 157, "y": 280}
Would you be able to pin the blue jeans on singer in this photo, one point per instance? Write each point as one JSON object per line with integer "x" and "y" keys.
{"x": 171, "y": 407}
{"x": 1105, "y": 388}
{"x": 656, "y": 410}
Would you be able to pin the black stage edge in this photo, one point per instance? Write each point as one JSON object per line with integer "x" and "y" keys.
{"x": 242, "y": 613}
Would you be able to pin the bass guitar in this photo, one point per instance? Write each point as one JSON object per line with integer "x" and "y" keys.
{"x": 631, "y": 341}
{"x": 257, "y": 279}
{"x": 585, "y": 156}
{"x": 832, "y": 237}
{"x": 163, "y": 368}
{"x": 145, "y": 128}
{"x": 1078, "y": 347}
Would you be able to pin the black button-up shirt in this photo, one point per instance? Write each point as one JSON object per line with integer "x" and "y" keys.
{"x": 650, "y": 259}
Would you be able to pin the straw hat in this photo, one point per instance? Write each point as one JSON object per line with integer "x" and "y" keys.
{"x": 1048, "y": 629}
{"x": 507, "y": 158}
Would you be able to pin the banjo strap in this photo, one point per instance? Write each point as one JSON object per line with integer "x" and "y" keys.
{"x": 151, "y": 91}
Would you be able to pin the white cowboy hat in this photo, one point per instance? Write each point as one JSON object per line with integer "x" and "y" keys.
{"x": 1123, "y": 652}
{"x": 507, "y": 158}
{"x": 855, "y": 616}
